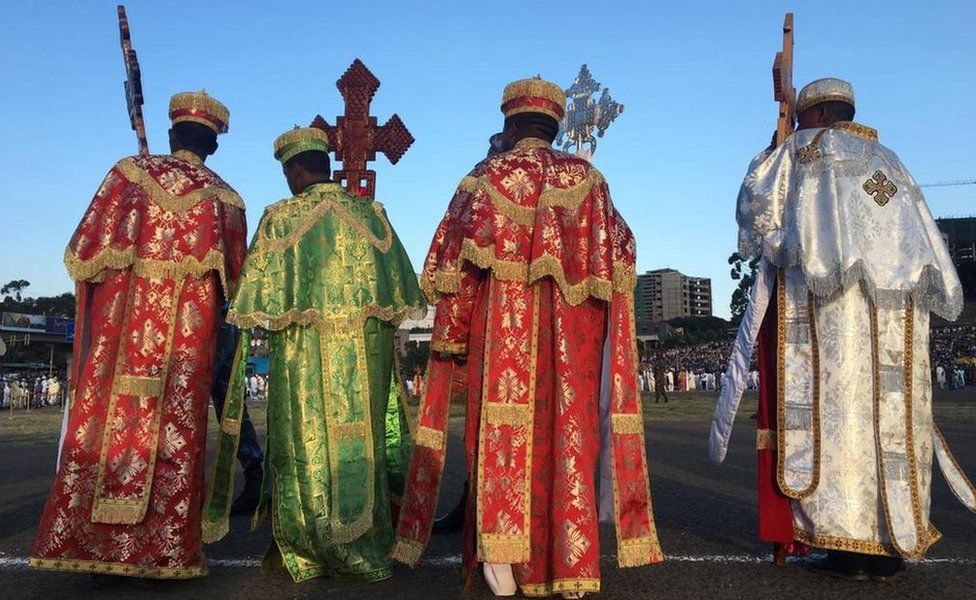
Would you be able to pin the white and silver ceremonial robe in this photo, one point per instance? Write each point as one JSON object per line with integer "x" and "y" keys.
{"x": 857, "y": 263}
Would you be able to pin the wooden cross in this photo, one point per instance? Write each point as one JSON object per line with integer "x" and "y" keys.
{"x": 133, "y": 82}
{"x": 355, "y": 138}
{"x": 880, "y": 188}
{"x": 783, "y": 90}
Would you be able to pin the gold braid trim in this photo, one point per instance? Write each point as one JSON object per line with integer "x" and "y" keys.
{"x": 316, "y": 318}
{"x": 765, "y": 439}
{"x": 407, "y": 551}
{"x": 623, "y": 424}
{"x": 559, "y": 586}
{"x": 637, "y": 552}
{"x": 428, "y": 437}
{"x": 872, "y": 547}
{"x": 131, "y": 385}
{"x": 212, "y": 532}
{"x": 449, "y": 347}
{"x": 570, "y": 197}
{"x": 502, "y": 548}
{"x": 90, "y": 269}
{"x": 861, "y": 131}
{"x": 115, "y": 568}
{"x": 328, "y": 201}
{"x": 169, "y": 202}
{"x": 514, "y": 415}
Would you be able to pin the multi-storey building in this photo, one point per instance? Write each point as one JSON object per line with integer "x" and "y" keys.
{"x": 666, "y": 294}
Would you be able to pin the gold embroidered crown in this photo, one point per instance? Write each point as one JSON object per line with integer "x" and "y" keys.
{"x": 201, "y": 108}
{"x": 534, "y": 95}
{"x": 298, "y": 140}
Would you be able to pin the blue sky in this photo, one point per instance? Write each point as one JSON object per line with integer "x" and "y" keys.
{"x": 694, "y": 76}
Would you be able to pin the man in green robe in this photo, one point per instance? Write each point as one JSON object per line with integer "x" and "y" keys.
{"x": 329, "y": 279}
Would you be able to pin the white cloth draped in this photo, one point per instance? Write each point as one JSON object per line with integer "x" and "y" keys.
{"x": 857, "y": 271}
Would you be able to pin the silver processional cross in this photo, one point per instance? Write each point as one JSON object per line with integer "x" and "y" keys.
{"x": 586, "y": 116}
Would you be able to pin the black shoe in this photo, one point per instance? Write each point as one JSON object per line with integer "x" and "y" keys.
{"x": 247, "y": 502}
{"x": 842, "y": 565}
{"x": 886, "y": 569}
{"x": 453, "y": 520}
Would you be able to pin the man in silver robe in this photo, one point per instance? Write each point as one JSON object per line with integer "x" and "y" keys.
{"x": 852, "y": 264}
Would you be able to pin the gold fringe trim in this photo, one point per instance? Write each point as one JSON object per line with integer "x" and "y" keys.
{"x": 872, "y": 547}
{"x": 118, "y": 512}
{"x": 637, "y": 552}
{"x": 504, "y": 548}
{"x": 110, "y": 258}
{"x": 213, "y": 532}
{"x": 623, "y": 424}
{"x": 131, "y": 385}
{"x": 445, "y": 347}
{"x": 428, "y": 437}
{"x": 168, "y": 201}
{"x": 317, "y": 317}
{"x": 623, "y": 280}
{"x": 230, "y": 426}
{"x": 514, "y": 415}
{"x": 407, "y": 551}
{"x": 571, "y": 197}
{"x": 328, "y": 201}
{"x": 523, "y": 215}
{"x": 765, "y": 439}
{"x": 559, "y": 586}
{"x": 114, "y": 568}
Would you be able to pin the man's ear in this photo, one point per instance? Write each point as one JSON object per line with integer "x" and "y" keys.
{"x": 172, "y": 136}
{"x": 213, "y": 148}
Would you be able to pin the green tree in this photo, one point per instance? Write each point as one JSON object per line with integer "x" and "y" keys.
{"x": 743, "y": 271}
{"x": 14, "y": 289}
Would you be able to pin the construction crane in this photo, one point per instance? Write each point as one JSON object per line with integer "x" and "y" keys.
{"x": 949, "y": 183}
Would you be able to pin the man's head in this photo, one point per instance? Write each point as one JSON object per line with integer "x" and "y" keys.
{"x": 198, "y": 139}
{"x": 529, "y": 125}
{"x": 496, "y": 144}
{"x": 306, "y": 168}
{"x": 532, "y": 108}
{"x": 824, "y": 102}
{"x": 304, "y": 156}
{"x": 197, "y": 121}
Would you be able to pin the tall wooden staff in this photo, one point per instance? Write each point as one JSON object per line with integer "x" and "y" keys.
{"x": 785, "y": 94}
{"x": 783, "y": 90}
{"x": 133, "y": 83}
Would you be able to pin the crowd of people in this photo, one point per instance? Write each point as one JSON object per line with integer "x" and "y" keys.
{"x": 952, "y": 352}
{"x": 27, "y": 390}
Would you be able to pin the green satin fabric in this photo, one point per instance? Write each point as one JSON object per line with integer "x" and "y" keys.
{"x": 330, "y": 280}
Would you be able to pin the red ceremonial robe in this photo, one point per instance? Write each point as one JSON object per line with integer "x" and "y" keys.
{"x": 532, "y": 271}
{"x": 154, "y": 258}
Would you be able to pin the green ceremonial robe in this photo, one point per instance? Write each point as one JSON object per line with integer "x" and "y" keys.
{"x": 329, "y": 279}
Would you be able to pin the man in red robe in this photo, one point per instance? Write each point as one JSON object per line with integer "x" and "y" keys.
{"x": 532, "y": 271}
{"x": 154, "y": 258}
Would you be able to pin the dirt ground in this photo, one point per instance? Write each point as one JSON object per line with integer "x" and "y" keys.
{"x": 705, "y": 516}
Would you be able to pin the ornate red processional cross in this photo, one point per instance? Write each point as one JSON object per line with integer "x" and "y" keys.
{"x": 355, "y": 138}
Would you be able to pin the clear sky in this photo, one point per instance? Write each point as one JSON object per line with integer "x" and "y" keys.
{"x": 694, "y": 76}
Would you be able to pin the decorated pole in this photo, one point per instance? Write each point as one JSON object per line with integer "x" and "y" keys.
{"x": 133, "y": 82}
{"x": 783, "y": 90}
{"x": 356, "y": 138}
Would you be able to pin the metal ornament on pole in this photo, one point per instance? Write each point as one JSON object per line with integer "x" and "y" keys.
{"x": 585, "y": 115}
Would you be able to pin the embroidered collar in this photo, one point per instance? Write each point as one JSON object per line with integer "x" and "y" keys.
{"x": 190, "y": 157}
{"x": 532, "y": 142}
{"x": 861, "y": 131}
{"x": 323, "y": 186}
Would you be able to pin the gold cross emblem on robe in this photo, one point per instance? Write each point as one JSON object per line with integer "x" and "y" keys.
{"x": 880, "y": 188}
